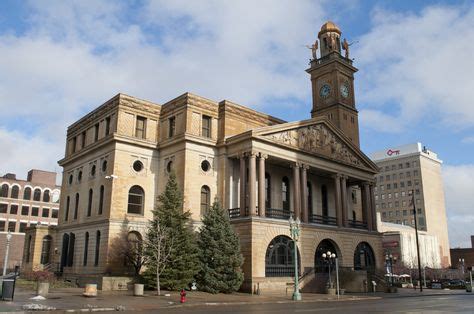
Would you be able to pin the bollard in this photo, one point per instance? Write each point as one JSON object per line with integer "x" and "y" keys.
{"x": 138, "y": 289}
{"x": 42, "y": 289}
{"x": 90, "y": 290}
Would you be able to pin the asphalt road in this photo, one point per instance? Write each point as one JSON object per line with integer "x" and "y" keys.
{"x": 459, "y": 303}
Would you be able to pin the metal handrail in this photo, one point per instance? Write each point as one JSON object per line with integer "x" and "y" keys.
{"x": 357, "y": 224}
{"x": 325, "y": 220}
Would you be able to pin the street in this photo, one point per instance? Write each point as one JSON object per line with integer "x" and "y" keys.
{"x": 449, "y": 303}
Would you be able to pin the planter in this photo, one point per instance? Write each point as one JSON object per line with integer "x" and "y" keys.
{"x": 342, "y": 291}
{"x": 331, "y": 291}
{"x": 468, "y": 288}
{"x": 391, "y": 290}
{"x": 138, "y": 289}
{"x": 90, "y": 290}
{"x": 42, "y": 289}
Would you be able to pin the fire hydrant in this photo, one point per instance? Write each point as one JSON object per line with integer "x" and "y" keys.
{"x": 183, "y": 296}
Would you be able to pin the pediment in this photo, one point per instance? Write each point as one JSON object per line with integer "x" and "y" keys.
{"x": 318, "y": 138}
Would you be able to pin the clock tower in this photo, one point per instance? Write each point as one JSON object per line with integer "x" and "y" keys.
{"x": 332, "y": 79}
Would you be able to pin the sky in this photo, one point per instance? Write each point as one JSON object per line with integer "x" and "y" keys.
{"x": 61, "y": 59}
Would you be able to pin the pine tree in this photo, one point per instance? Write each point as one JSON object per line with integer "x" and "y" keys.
{"x": 171, "y": 244}
{"x": 219, "y": 254}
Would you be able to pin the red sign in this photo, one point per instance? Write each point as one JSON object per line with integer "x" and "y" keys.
{"x": 390, "y": 244}
{"x": 393, "y": 152}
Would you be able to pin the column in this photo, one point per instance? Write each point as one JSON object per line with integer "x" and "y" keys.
{"x": 337, "y": 199}
{"x": 243, "y": 180}
{"x": 252, "y": 183}
{"x": 304, "y": 193}
{"x": 261, "y": 185}
{"x": 372, "y": 207}
{"x": 344, "y": 200}
{"x": 296, "y": 191}
{"x": 367, "y": 206}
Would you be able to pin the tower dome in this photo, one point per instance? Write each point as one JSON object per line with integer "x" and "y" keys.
{"x": 329, "y": 26}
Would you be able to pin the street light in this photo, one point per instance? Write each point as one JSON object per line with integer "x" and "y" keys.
{"x": 389, "y": 260}
{"x": 412, "y": 193}
{"x": 461, "y": 261}
{"x": 328, "y": 258}
{"x": 295, "y": 234}
{"x": 5, "y": 262}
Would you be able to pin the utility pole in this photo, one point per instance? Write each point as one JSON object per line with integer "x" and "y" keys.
{"x": 416, "y": 233}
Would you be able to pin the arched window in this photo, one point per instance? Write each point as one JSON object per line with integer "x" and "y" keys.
{"x": 364, "y": 257}
{"x": 70, "y": 253}
{"x": 27, "y": 193}
{"x": 86, "y": 248}
{"x": 135, "y": 247}
{"x": 136, "y": 197}
{"x": 64, "y": 251}
{"x": 101, "y": 200}
{"x": 66, "y": 214}
{"x": 37, "y": 195}
{"x": 309, "y": 188}
{"x": 46, "y": 197}
{"x": 268, "y": 191}
{"x": 15, "y": 191}
{"x": 76, "y": 206}
{"x": 28, "y": 250}
{"x": 205, "y": 199}
{"x": 89, "y": 203}
{"x": 279, "y": 259}
{"x": 46, "y": 250}
{"x": 285, "y": 193}
{"x": 320, "y": 264}
{"x": 97, "y": 248}
{"x": 324, "y": 200}
{"x": 4, "y": 190}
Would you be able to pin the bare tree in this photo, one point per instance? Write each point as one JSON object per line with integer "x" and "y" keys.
{"x": 159, "y": 245}
{"x": 126, "y": 251}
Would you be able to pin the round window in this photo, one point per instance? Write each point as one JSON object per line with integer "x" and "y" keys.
{"x": 169, "y": 166}
{"x": 138, "y": 166}
{"x": 93, "y": 170}
{"x": 79, "y": 176}
{"x": 104, "y": 165}
{"x": 70, "y": 179}
{"x": 205, "y": 166}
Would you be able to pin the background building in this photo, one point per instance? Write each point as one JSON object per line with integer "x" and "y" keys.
{"x": 414, "y": 168}
{"x": 23, "y": 204}
{"x": 467, "y": 254}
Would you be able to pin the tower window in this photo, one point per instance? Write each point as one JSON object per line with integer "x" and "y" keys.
{"x": 206, "y": 126}
{"x": 171, "y": 126}
{"x": 96, "y": 132}
{"x": 140, "y": 127}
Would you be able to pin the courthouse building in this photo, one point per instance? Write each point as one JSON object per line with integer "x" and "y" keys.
{"x": 261, "y": 168}
{"x": 29, "y": 203}
{"x": 414, "y": 169}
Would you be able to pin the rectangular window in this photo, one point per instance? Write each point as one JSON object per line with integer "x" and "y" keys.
{"x": 408, "y": 183}
{"x": 34, "y": 211}
{"x": 25, "y": 210}
{"x": 382, "y": 188}
{"x": 107, "y": 126}
{"x": 2, "y": 225}
{"x": 381, "y": 179}
{"x": 414, "y": 164}
{"x": 206, "y": 126}
{"x": 54, "y": 213}
{"x": 389, "y": 204}
{"x": 390, "y": 214}
{"x": 417, "y": 191}
{"x": 394, "y": 176}
{"x": 11, "y": 226}
{"x": 171, "y": 126}
{"x": 395, "y": 185}
{"x": 397, "y": 203}
{"x": 419, "y": 211}
{"x": 3, "y": 208}
{"x": 45, "y": 212}
{"x": 382, "y": 196}
{"x": 394, "y": 167}
{"x": 396, "y": 194}
{"x": 96, "y": 132}
{"x": 140, "y": 127}
{"x": 400, "y": 166}
{"x": 387, "y": 168}
{"x": 389, "y": 186}
{"x": 421, "y": 221}
{"x": 74, "y": 143}
{"x": 404, "y": 203}
{"x": 402, "y": 184}
{"x": 415, "y": 173}
{"x": 383, "y": 205}
{"x": 408, "y": 174}
{"x": 384, "y": 215}
{"x": 22, "y": 226}
{"x": 13, "y": 209}
{"x": 417, "y": 182}
{"x": 404, "y": 193}
{"x": 389, "y": 195}
{"x": 387, "y": 177}
{"x": 376, "y": 197}
{"x": 405, "y": 212}
{"x": 401, "y": 175}
{"x": 83, "y": 139}
{"x": 407, "y": 165}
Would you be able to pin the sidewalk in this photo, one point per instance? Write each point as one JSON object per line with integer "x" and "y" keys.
{"x": 71, "y": 300}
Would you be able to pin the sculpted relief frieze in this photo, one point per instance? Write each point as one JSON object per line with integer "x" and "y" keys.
{"x": 316, "y": 139}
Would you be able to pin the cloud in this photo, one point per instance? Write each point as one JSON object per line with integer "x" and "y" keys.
{"x": 458, "y": 183}
{"x": 419, "y": 66}
{"x": 468, "y": 140}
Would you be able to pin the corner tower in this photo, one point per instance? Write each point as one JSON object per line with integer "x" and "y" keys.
{"x": 332, "y": 79}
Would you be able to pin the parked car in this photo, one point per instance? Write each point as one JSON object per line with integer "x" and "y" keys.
{"x": 457, "y": 284}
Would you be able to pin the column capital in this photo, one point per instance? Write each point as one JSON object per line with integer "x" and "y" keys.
{"x": 296, "y": 165}
{"x": 252, "y": 154}
{"x": 304, "y": 166}
{"x": 263, "y": 156}
{"x": 336, "y": 176}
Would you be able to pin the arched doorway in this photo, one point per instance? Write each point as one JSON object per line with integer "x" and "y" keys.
{"x": 279, "y": 259}
{"x": 321, "y": 265}
{"x": 364, "y": 258}
{"x": 64, "y": 251}
{"x": 46, "y": 250}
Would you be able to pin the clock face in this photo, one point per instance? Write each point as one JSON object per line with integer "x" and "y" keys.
{"x": 344, "y": 89}
{"x": 325, "y": 91}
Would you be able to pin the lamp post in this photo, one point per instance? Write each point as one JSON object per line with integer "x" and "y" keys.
{"x": 416, "y": 233}
{"x": 461, "y": 261}
{"x": 5, "y": 262}
{"x": 389, "y": 260}
{"x": 328, "y": 257}
{"x": 295, "y": 234}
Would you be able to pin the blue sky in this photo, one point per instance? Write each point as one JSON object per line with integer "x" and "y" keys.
{"x": 61, "y": 59}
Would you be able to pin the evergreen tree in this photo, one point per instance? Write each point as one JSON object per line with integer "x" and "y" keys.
{"x": 219, "y": 253}
{"x": 171, "y": 244}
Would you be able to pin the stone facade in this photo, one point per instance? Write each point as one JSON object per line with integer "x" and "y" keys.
{"x": 262, "y": 170}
